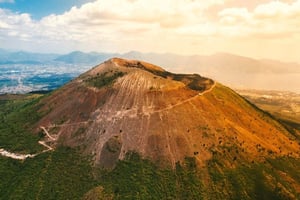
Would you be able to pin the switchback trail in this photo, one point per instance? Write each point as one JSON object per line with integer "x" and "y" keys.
{"x": 18, "y": 156}
{"x": 47, "y": 133}
{"x": 146, "y": 112}
{"x": 15, "y": 156}
{"x": 187, "y": 100}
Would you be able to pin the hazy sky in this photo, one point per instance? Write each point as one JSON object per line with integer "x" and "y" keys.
{"x": 256, "y": 28}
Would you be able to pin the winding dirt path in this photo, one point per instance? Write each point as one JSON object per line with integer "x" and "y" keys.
{"x": 47, "y": 134}
{"x": 185, "y": 101}
{"x": 45, "y": 145}
{"x": 146, "y": 112}
{"x": 18, "y": 156}
{"x": 68, "y": 124}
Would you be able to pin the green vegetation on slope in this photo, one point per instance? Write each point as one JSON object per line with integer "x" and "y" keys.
{"x": 66, "y": 174}
{"x": 274, "y": 179}
{"x": 105, "y": 79}
{"x": 62, "y": 174}
{"x": 16, "y": 118}
{"x": 136, "y": 178}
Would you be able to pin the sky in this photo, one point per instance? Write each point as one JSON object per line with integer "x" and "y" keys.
{"x": 256, "y": 28}
{"x": 38, "y": 8}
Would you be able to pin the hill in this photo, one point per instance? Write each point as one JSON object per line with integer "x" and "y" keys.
{"x": 131, "y": 130}
{"x": 78, "y": 57}
{"x": 23, "y": 57}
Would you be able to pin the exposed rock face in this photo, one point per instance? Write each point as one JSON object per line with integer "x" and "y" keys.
{"x": 124, "y": 105}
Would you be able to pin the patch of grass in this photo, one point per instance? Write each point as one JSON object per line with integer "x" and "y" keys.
{"x": 105, "y": 79}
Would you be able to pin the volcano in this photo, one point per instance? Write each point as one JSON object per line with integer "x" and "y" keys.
{"x": 127, "y": 129}
{"x": 124, "y": 106}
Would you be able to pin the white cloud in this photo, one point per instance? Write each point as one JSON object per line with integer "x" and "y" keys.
{"x": 180, "y": 26}
{"x": 274, "y": 20}
{"x": 124, "y": 19}
{"x": 4, "y": 25}
{"x": 19, "y": 26}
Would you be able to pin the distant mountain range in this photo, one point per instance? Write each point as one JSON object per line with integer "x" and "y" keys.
{"x": 7, "y": 57}
{"x": 76, "y": 57}
{"x": 233, "y": 70}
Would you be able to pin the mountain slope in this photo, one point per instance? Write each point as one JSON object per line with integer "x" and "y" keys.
{"x": 127, "y": 129}
{"x": 123, "y": 105}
